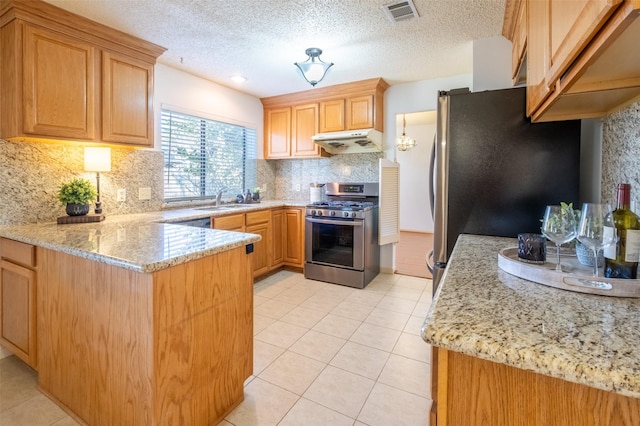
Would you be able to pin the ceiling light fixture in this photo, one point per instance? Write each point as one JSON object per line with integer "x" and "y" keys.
{"x": 313, "y": 69}
{"x": 404, "y": 142}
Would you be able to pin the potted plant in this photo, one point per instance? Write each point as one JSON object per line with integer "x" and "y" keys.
{"x": 76, "y": 195}
{"x": 256, "y": 194}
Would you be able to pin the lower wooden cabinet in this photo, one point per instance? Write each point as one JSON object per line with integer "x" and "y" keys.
{"x": 294, "y": 242}
{"x": 234, "y": 222}
{"x": 277, "y": 238}
{"x": 260, "y": 223}
{"x": 18, "y": 299}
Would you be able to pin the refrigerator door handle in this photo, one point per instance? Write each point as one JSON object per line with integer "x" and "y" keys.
{"x": 429, "y": 261}
{"x": 432, "y": 171}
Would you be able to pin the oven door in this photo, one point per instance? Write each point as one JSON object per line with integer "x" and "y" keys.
{"x": 335, "y": 242}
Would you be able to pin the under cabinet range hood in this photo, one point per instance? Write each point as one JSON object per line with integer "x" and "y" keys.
{"x": 350, "y": 142}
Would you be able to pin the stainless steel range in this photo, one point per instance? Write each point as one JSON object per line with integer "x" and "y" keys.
{"x": 341, "y": 235}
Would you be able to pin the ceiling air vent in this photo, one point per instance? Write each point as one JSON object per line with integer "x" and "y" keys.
{"x": 401, "y": 10}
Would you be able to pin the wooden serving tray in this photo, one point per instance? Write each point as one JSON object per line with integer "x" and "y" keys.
{"x": 87, "y": 218}
{"x": 574, "y": 276}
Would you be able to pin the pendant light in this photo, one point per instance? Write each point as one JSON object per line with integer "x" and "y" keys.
{"x": 404, "y": 142}
{"x": 313, "y": 69}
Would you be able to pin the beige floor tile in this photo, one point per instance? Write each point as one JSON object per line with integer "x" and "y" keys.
{"x": 225, "y": 423}
{"x": 293, "y": 372}
{"x": 384, "y": 279}
{"x": 36, "y": 411}
{"x": 264, "y": 404}
{"x": 396, "y": 304}
{"x": 294, "y": 295}
{"x": 414, "y": 325}
{"x": 412, "y": 346}
{"x": 337, "y": 291}
{"x": 421, "y": 309}
{"x": 382, "y": 338}
{"x": 303, "y": 317}
{"x": 412, "y": 282}
{"x": 268, "y": 290}
{"x": 263, "y": 355}
{"x": 369, "y": 298}
{"x": 340, "y": 390}
{"x": 260, "y": 322}
{"x": 378, "y": 287}
{"x": 404, "y": 293}
{"x": 319, "y": 346}
{"x": 321, "y": 302}
{"x": 281, "y": 334}
{"x": 17, "y": 383}
{"x": 259, "y": 300}
{"x": 408, "y": 375}
{"x": 337, "y": 326}
{"x": 274, "y": 309}
{"x": 69, "y": 421}
{"x": 389, "y": 406}
{"x": 386, "y": 318}
{"x": 309, "y": 413}
{"x": 426, "y": 296}
{"x": 353, "y": 310}
{"x": 359, "y": 359}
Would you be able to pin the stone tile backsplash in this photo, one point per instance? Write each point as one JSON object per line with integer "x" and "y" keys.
{"x": 31, "y": 173}
{"x": 621, "y": 152}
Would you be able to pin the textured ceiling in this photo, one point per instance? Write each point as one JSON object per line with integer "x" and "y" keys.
{"x": 261, "y": 39}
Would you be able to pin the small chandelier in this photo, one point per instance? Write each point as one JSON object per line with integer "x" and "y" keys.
{"x": 404, "y": 142}
{"x": 313, "y": 69}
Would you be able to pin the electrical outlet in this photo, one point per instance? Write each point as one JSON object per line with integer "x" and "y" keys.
{"x": 297, "y": 187}
{"x": 121, "y": 195}
{"x": 144, "y": 193}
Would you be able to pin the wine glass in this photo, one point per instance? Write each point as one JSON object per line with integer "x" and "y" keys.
{"x": 559, "y": 225}
{"x": 596, "y": 229}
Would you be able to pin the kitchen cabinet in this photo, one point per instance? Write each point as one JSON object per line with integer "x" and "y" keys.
{"x": 475, "y": 391}
{"x": 234, "y": 222}
{"x": 291, "y": 119}
{"x": 277, "y": 238}
{"x": 294, "y": 229}
{"x": 260, "y": 223}
{"x": 570, "y": 49}
{"x": 64, "y": 77}
{"x": 18, "y": 299}
{"x": 515, "y": 29}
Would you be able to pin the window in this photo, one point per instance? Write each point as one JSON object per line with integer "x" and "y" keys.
{"x": 203, "y": 156}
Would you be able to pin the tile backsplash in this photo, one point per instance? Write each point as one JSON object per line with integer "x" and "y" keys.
{"x": 621, "y": 152}
{"x": 31, "y": 173}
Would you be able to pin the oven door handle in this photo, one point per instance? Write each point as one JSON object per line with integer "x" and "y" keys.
{"x": 335, "y": 221}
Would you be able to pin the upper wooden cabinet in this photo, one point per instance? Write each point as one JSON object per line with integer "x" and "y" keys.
{"x": 580, "y": 57}
{"x": 515, "y": 29}
{"x": 350, "y": 106}
{"x": 66, "y": 77}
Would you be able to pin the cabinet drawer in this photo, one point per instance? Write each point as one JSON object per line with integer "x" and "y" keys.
{"x": 15, "y": 251}
{"x": 258, "y": 217}
{"x": 229, "y": 223}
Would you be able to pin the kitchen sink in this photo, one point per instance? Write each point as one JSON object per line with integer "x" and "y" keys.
{"x": 222, "y": 207}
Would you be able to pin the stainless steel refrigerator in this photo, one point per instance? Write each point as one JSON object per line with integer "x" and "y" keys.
{"x": 493, "y": 171}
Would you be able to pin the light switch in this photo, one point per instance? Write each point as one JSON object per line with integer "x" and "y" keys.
{"x": 144, "y": 193}
{"x": 121, "y": 195}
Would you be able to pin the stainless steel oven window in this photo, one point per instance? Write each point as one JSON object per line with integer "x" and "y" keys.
{"x": 335, "y": 242}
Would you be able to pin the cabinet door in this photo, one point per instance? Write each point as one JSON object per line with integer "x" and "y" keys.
{"x": 332, "y": 116}
{"x": 55, "y": 106}
{"x": 277, "y": 238}
{"x": 261, "y": 249}
{"x": 360, "y": 112}
{"x": 294, "y": 247}
{"x": 277, "y": 133}
{"x": 127, "y": 102}
{"x": 17, "y": 311}
{"x": 233, "y": 222}
{"x": 305, "y": 125}
{"x": 558, "y": 31}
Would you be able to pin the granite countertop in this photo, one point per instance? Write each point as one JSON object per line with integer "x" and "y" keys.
{"x": 482, "y": 311}
{"x": 143, "y": 242}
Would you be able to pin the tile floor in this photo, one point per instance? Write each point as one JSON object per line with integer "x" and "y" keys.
{"x": 323, "y": 355}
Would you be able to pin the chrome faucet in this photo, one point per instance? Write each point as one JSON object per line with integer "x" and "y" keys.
{"x": 219, "y": 195}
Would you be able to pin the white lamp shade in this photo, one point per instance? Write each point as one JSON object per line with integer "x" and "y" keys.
{"x": 97, "y": 159}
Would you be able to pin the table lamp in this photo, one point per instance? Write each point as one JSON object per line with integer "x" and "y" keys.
{"x": 97, "y": 160}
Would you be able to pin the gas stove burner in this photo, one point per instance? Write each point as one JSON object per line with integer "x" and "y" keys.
{"x": 346, "y": 205}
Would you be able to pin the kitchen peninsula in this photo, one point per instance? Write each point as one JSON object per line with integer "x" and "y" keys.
{"x": 510, "y": 351}
{"x": 138, "y": 322}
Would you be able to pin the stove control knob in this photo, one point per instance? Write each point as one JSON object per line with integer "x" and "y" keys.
{"x": 333, "y": 213}
{"x": 345, "y": 214}
{"x": 354, "y": 214}
{"x": 319, "y": 213}
{"x": 313, "y": 212}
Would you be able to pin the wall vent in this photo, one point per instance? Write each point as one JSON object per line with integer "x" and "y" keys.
{"x": 400, "y": 10}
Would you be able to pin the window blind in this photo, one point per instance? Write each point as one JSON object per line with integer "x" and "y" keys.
{"x": 202, "y": 156}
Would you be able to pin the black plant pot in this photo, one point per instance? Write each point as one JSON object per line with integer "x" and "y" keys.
{"x": 77, "y": 209}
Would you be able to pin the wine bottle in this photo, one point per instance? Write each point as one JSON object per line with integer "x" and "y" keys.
{"x": 621, "y": 259}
